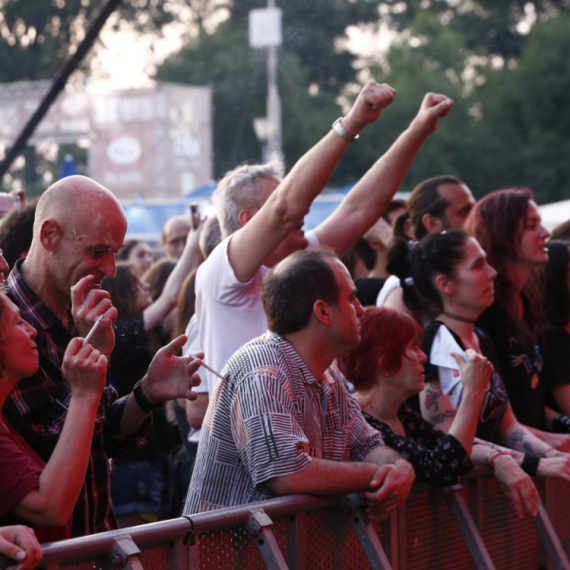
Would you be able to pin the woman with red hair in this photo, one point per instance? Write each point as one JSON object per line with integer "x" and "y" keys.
{"x": 386, "y": 368}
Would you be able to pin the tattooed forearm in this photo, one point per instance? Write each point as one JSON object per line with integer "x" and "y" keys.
{"x": 517, "y": 439}
{"x": 516, "y": 436}
{"x": 514, "y": 454}
{"x": 436, "y": 419}
{"x": 431, "y": 399}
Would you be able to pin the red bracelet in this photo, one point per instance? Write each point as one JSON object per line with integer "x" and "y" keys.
{"x": 492, "y": 459}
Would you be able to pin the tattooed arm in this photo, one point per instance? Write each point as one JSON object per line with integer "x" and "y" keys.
{"x": 436, "y": 407}
{"x": 439, "y": 411}
{"x": 516, "y": 484}
{"x": 520, "y": 437}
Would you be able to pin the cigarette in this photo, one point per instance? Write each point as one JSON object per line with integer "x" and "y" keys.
{"x": 92, "y": 331}
{"x": 210, "y": 369}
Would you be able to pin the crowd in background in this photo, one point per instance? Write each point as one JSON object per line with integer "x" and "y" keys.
{"x": 460, "y": 356}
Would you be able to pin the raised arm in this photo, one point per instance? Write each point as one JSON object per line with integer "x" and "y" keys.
{"x": 52, "y": 503}
{"x": 366, "y": 202}
{"x": 189, "y": 261}
{"x": 288, "y": 205}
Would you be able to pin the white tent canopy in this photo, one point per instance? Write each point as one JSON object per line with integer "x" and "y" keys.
{"x": 554, "y": 214}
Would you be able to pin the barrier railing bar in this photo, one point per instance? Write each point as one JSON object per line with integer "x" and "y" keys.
{"x": 550, "y": 540}
{"x": 275, "y": 508}
{"x": 477, "y": 549}
{"x": 181, "y": 536}
{"x": 125, "y": 554}
{"x": 259, "y": 528}
{"x": 366, "y": 533}
{"x": 101, "y": 544}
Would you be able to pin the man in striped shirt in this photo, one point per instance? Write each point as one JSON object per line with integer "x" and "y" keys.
{"x": 282, "y": 420}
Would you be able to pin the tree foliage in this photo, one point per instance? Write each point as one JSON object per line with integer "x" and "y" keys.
{"x": 36, "y": 36}
{"x": 312, "y": 71}
{"x": 510, "y": 124}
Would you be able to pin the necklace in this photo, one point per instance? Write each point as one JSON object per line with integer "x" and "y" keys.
{"x": 459, "y": 318}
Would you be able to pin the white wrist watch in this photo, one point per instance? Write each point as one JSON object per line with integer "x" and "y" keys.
{"x": 341, "y": 131}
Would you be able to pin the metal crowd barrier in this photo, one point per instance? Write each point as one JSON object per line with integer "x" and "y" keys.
{"x": 471, "y": 525}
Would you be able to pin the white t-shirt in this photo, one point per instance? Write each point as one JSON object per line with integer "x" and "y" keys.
{"x": 390, "y": 285}
{"x": 192, "y": 346}
{"x": 229, "y": 312}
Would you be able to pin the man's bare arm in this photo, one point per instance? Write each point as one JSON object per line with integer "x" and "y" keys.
{"x": 384, "y": 476}
{"x": 196, "y": 410}
{"x": 326, "y": 477}
{"x": 366, "y": 202}
{"x": 287, "y": 207}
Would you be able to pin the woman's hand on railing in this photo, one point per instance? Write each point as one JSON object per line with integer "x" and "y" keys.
{"x": 555, "y": 467}
{"x": 516, "y": 485}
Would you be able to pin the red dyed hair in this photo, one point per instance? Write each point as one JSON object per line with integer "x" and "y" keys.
{"x": 384, "y": 333}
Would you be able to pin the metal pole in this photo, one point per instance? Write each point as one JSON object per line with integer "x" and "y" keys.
{"x": 58, "y": 84}
{"x": 274, "y": 150}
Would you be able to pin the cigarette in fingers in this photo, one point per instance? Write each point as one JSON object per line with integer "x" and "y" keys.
{"x": 92, "y": 331}
{"x": 210, "y": 369}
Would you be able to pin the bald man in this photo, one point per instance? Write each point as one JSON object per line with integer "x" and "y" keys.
{"x": 79, "y": 225}
{"x": 175, "y": 234}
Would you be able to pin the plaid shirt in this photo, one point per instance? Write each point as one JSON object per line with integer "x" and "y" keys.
{"x": 37, "y": 407}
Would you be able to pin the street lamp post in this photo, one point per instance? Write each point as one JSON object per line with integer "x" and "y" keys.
{"x": 265, "y": 32}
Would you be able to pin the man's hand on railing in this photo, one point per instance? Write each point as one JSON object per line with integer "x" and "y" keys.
{"x": 394, "y": 482}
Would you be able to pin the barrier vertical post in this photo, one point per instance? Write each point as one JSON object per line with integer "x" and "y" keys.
{"x": 550, "y": 540}
{"x": 366, "y": 533}
{"x": 259, "y": 527}
{"x": 469, "y": 531}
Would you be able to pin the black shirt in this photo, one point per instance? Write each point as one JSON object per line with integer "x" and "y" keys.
{"x": 437, "y": 458}
{"x": 520, "y": 366}
{"x": 496, "y": 400}
{"x": 555, "y": 346}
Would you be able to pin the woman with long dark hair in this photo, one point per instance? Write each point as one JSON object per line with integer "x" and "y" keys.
{"x": 508, "y": 226}
{"x": 452, "y": 273}
{"x": 555, "y": 333}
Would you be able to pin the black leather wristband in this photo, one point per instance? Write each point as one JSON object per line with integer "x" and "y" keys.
{"x": 530, "y": 464}
{"x": 561, "y": 424}
{"x": 142, "y": 400}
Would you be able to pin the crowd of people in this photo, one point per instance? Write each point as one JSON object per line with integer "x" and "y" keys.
{"x": 111, "y": 416}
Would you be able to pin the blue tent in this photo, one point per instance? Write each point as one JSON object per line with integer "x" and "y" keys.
{"x": 68, "y": 167}
{"x": 146, "y": 218}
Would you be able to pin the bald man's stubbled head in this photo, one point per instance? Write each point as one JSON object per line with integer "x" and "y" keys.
{"x": 79, "y": 225}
